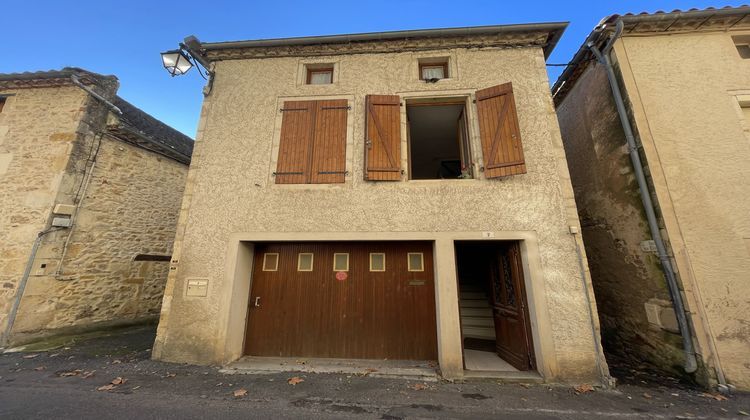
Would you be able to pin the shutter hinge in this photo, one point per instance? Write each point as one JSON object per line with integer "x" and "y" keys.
{"x": 337, "y": 107}
{"x": 333, "y": 172}
{"x": 292, "y": 109}
{"x": 288, "y": 173}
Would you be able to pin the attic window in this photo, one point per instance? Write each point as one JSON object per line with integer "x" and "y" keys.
{"x": 319, "y": 74}
{"x": 433, "y": 69}
{"x": 742, "y": 43}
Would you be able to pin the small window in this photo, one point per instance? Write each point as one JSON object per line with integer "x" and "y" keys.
{"x": 433, "y": 69}
{"x": 305, "y": 261}
{"x": 742, "y": 43}
{"x": 341, "y": 262}
{"x": 270, "y": 262}
{"x": 377, "y": 261}
{"x": 2, "y": 103}
{"x": 320, "y": 75}
{"x": 416, "y": 261}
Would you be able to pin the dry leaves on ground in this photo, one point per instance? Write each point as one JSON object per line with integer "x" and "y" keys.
{"x": 75, "y": 372}
{"x": 418, "y": 387}
{"x": 583, "y": 388}
{"x": 717, "y": 397}
{"x": 240, "y": 392}
{"x": 40, "y": 368}
{"x": 647, "y": 396}
{"x": 112, "y": 385}
{"x": 30, "y": 356}
{"x": 294, "y": 380}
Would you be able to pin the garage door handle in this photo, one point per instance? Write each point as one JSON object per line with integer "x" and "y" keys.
{"x": 257, "y": 301}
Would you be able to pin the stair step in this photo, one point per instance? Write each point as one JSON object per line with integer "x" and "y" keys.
{"x": 473, "y": 295}
{"x": 473, "y": 304}
{"x": 478, "y": 332}
{"x": 478, "y": 322}
{"x": 476, "y": 312}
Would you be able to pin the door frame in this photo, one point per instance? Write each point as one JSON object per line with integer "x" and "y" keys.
{"x": 233, "y": 290}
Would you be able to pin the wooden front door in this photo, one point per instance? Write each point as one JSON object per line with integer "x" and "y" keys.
{"x": 510, "y": 311}
{"x": 303, "y": 309}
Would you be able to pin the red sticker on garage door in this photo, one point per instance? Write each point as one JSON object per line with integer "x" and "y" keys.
{"x": 341, "y": 275}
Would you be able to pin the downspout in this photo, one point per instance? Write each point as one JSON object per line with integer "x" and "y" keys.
{"x": 22, "y": 286}
{"x": 603, "y": 57}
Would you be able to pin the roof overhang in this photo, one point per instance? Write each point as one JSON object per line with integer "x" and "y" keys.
{"x": 659, "y": 23}
{"x": 543, "y": 35}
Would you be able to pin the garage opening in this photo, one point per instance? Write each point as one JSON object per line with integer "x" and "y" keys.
{"x": 350, "y": 300}
{"x": 438, "y": 139}
{"x": 495, "y": 326}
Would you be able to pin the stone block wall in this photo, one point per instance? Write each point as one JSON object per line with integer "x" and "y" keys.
{"x": 38, "y": 131}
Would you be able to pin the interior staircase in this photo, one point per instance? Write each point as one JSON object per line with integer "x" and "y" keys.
{"x": 476, "y": 313}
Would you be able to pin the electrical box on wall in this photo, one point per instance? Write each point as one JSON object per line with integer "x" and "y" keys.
{"x": 64, "y": 209}
{"x": 197, "y": 287}
{"x": 62, "y": 222}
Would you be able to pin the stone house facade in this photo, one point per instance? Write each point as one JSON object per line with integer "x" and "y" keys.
{"x": 685, "y": 78}
{"x": 90, "y": 190}
{"x": 399, "y": 195}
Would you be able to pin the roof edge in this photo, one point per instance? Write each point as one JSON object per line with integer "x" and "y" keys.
{"x": 554, "y": 29}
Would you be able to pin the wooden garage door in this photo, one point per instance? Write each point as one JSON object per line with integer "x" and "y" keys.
{"x": 319, "y": 313}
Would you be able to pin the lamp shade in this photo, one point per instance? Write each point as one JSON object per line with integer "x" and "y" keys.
{"x": 176, "y": 62}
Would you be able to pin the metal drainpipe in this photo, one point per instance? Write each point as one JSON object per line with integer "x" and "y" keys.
{"x": 603, "y": 57}
{"x": 22, "y": 285}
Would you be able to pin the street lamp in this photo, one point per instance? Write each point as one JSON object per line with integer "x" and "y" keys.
{"x": 176, "y": 62}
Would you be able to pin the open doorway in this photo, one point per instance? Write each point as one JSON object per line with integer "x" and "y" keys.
{"x": 495, "y": 326}
{"x": 438, "y": 139}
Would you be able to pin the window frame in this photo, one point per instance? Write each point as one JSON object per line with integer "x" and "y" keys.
{"x": 443, "y": 64}
{"x": 310, "y": 70}
{"x": 299, "y": 261}
{"x": 265, "y": 259}
{"x": 384, "y": 262}
{"x": 408, "y": 262}
{"x": 335, "y": 254}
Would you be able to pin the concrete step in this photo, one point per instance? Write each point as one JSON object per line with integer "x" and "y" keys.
{"x": 478, "y": 322}
{"x": 473, "y": 295}
{"x": 479, "y": 332}
{"x": 473, "y": 303}
{"x": 477, "y": 312}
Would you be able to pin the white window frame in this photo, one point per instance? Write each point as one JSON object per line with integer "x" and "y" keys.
{"x": 384, "y": 262}
{"x": 299, "y": 261}
{"x": 265, "y": 256}
{"x": 408, "y": 261}
{"x": 334, "y": 261}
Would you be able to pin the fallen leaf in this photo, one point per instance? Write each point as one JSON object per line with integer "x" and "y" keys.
{"x": 294, "y": 380}
{"x": 116, "y": 361}
{"x": 647, "y": 395}
{"x": 88, "y": 374}
{"x": 70, "y": 373}
{"x": 583, "y": 388}
{"x": 107, "y": 387}
{"x": 743, "y": 413}
{"x": 527, "y": 386}
{"x": 717, "y": 397}
{"x": 240, "y": 392}
{"x": 30, "y": 356}
{"x": 170, "y": 375}
{"x": 118, "y": 381}
{"x": 40, "y": 368}
{"x": 135, "y": 387}
{"x": 418, "y": 387}
{"x": 371, "y": 370}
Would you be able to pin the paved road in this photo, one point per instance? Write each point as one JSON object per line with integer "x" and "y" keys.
{"x": 63, "y": 383}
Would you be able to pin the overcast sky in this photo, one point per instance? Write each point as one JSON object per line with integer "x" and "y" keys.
{"x": 124, "y": 38}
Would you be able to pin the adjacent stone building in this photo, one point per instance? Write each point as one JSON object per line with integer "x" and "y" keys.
{"x": 398, "y": 195}
{"x": 90, "y": 190}
{"x": 685, "y": 77}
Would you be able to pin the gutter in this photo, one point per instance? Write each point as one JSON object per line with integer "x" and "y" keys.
{"x": 555, "y": 29}
{"x": 603, "y": 57}
{"x": 77, "y": 81}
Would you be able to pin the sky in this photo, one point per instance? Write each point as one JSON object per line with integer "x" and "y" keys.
{"x": 125, "y": 38}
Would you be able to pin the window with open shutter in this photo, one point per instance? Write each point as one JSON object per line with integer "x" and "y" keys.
{"x": 383, "y": 138}
{"x": 498, "y": 126}
{"x": 312, "y": 147}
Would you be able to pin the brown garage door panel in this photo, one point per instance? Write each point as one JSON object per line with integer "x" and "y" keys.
{"x": 370, "y": 315}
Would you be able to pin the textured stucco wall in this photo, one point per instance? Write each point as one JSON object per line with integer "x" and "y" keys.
{"x": 38, "y": 131}
{"x": 130, "y": 207}
{"x": 686, "y": 88}
{"x": 230, "y": 188}
{"x": 625, "y": 276}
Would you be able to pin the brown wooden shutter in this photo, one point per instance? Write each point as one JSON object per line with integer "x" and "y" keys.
{"x": 295, "y": 145}
{"x": 329, "y": 142}
{"x": 501, "y": 138}
{"x": 383, "y": 138}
